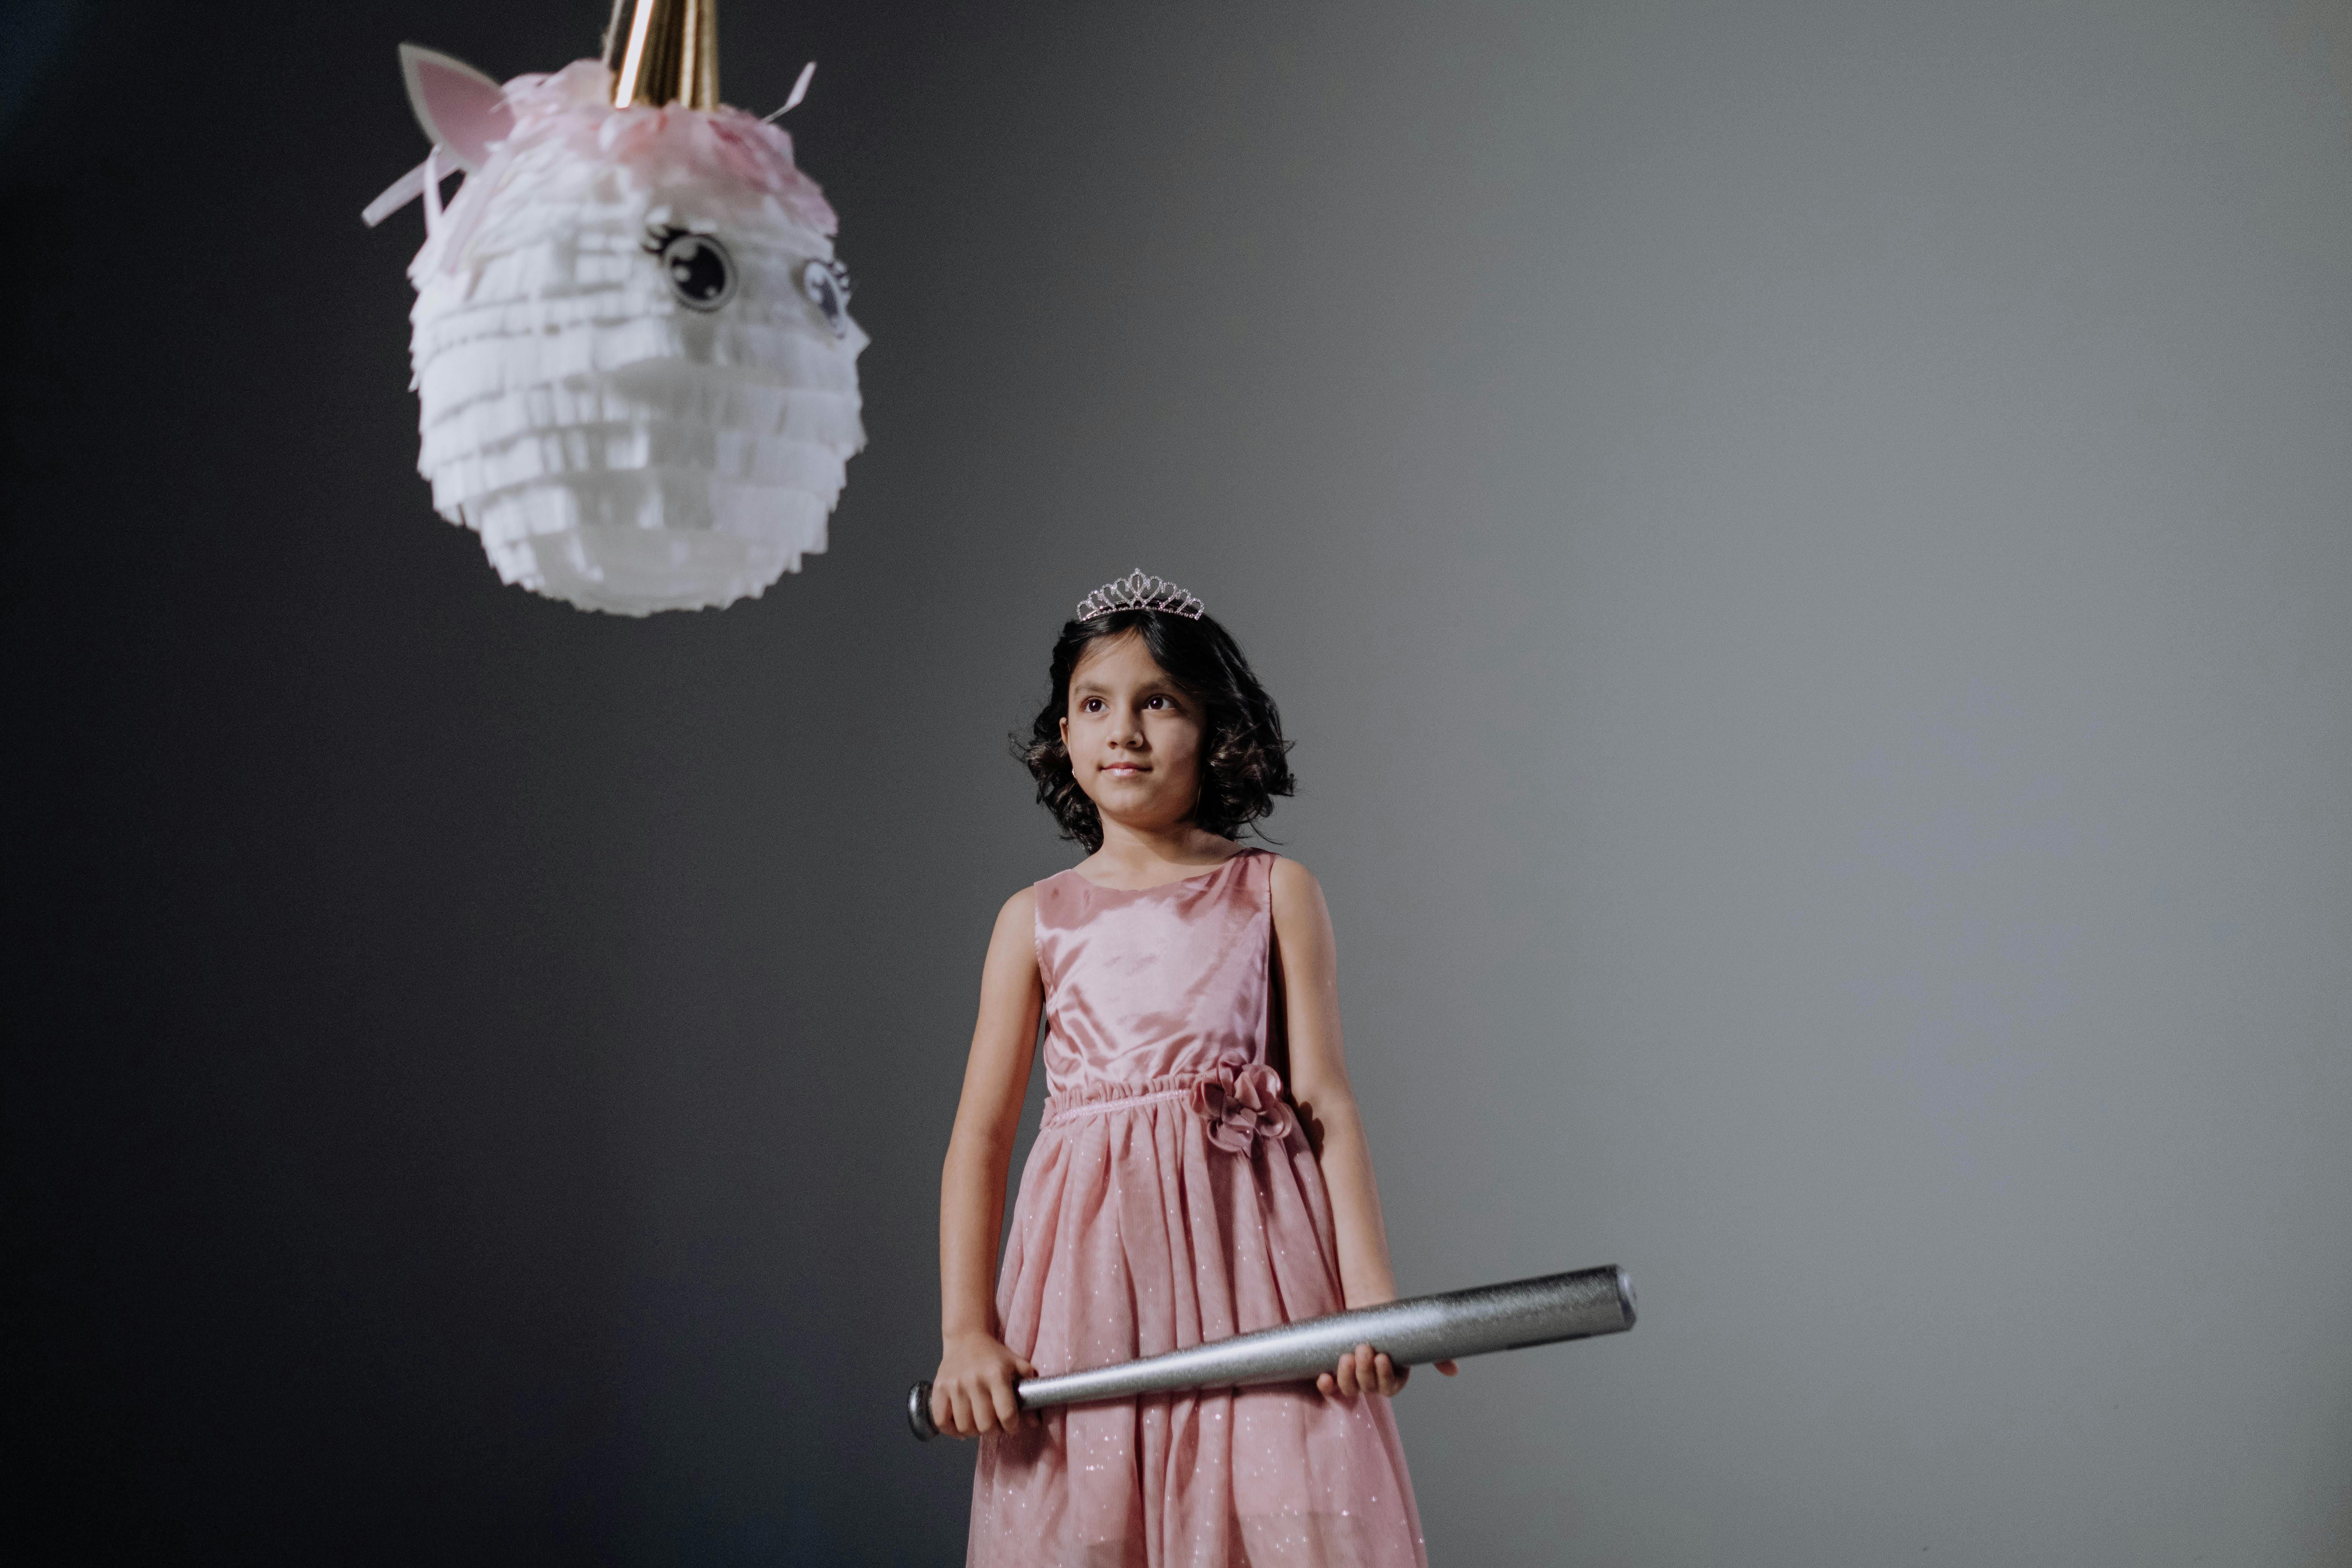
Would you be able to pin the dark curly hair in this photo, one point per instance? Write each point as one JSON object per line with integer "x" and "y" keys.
{"x": 1245, "y": 761}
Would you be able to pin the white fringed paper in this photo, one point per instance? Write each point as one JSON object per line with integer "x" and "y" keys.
{"x": 616, "y": 445}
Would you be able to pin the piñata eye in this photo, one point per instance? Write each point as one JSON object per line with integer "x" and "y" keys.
{"x": 695, "y": 266}
{"x": 826, "y": 283}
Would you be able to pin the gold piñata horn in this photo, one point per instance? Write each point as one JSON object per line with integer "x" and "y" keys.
{"x": 664, "y": 51}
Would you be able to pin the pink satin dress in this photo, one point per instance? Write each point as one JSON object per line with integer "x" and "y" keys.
{"x": 1170, "y": 1199}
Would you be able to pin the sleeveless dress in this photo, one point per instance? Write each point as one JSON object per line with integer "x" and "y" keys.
{"x": 1172, "y": 1198}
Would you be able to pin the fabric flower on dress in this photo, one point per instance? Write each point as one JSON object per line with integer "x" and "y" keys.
{"x": 1242, "y": 1105}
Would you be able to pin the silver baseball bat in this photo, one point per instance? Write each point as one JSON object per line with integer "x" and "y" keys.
{"x": 1448, "y": 1327}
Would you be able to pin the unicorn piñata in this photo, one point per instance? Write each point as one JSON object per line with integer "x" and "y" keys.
{"x": 633, "y": 348}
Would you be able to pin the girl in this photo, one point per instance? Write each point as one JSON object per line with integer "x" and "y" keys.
{"x": 1201, "y": 1170}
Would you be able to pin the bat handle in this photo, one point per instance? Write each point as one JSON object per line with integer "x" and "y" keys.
{"x": 919, "y": 1412}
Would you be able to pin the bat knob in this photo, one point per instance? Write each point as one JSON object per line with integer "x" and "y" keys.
{"x": 919, "y": 1412}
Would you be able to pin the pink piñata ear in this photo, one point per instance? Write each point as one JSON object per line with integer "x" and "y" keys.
{"x": 459, "y": 108}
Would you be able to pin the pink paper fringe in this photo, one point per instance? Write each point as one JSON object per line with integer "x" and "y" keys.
{"x": 575, "y": 106}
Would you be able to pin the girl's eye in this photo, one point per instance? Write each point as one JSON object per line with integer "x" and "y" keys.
{"x": 1091, "y": 705}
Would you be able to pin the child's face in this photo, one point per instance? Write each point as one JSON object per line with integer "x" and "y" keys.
{"x": 1134, "y": 739}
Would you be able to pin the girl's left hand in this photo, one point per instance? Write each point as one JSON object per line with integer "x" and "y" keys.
{"x": 1364, "y": 1370}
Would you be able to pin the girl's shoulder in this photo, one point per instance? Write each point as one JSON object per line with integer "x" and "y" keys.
{"x": 1295, "y": 899}
{"x": 1018, "y": 913}
{"x": 1013, "y": 945}
{"x": 1291, "y": 878}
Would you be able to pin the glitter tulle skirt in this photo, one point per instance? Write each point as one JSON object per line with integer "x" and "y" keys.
{"x": 1154, "y": 1215}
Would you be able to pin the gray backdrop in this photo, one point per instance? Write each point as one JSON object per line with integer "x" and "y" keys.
{"x": 1805, "y": 549}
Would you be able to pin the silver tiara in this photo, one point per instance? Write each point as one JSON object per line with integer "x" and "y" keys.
{"x": 1137, "y": 592}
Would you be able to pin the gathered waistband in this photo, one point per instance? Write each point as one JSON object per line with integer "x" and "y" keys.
{"x": 1099, "y": 1097}
{"x": 1238, "y": 1105}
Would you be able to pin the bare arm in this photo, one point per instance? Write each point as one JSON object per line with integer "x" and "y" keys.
{"x": 973, "y": 1391}
{"x": 1308, "y": 956}
{"x": 1308, "y": 952}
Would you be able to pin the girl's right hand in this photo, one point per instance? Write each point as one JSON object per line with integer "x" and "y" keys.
{"x": 972, "y": 1394}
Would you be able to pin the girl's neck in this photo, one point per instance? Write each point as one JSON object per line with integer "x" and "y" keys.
{"x": 1142, "y": 857}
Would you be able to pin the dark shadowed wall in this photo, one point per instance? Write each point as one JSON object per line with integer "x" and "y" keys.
{"x": 1807, "y": 547}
